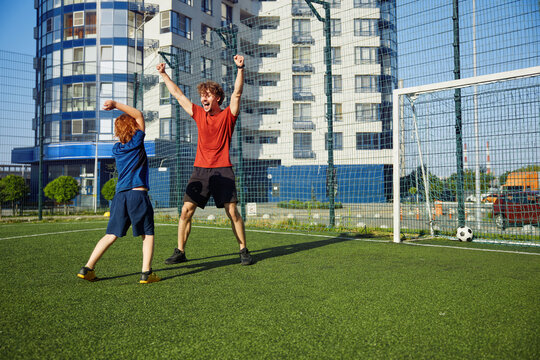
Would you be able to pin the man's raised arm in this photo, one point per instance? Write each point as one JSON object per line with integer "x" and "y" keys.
{"x": 184, "y": 102}
{"x": 238, "y": 85}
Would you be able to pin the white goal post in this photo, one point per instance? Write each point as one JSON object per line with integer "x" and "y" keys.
{"x": 411, "y": 93}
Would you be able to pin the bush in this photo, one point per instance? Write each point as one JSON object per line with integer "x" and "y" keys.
{"x": 109, "y": 189}
{"x": 296, "y": 204}
{"x": 13, "y": 188}
{"x": 62, "y": 190}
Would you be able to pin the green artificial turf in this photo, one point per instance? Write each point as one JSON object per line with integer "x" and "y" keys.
{"x": 307, "y": 297}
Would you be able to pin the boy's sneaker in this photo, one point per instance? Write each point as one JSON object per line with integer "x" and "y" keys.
{"x": 148, "y": 277}
{"x": 245, "y": 258}
{"x": 87, "y": 274}
{"x": 176, "y": 258}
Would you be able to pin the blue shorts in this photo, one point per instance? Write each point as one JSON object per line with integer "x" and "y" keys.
{"x": 131, "y": 207}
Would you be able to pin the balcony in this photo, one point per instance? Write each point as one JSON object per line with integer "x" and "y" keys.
{"x": 303, "y": 125}
{"x": 301, "y": 9}
{"x": 303, "y": 154}
{"x": 303, "y": 39}
{"x": 302, "y": 68}
{"x": 303, "y": 96}
{"x": 144, "y": 8}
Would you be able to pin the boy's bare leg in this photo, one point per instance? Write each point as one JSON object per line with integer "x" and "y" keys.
{"x": 184, "y": 224}
{"x": 100, "y": 249}
{"x": 148, "y": 252}
{"x": 237, "y": 223}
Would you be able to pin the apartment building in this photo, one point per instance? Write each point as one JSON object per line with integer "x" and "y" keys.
{"x": 91, "y": 51}
{"x": 283, "y": 132}
{"x": 96, "y": 50}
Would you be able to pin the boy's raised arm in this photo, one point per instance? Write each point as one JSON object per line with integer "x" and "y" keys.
{"x": 131, "y": 111}
{"x": 184, "y": 102}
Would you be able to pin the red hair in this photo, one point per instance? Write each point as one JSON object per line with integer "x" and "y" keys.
{"x": 125, "y": 127}
{"x": 213, "y": 88}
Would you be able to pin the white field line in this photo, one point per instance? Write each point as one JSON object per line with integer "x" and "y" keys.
{"x": 47, "y": 234}
{"x": 289, "y": 233}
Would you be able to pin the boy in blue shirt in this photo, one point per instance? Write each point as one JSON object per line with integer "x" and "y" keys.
{"x": 130, "y": 205}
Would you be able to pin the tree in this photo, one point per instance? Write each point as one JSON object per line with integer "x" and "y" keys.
{"x": 13, "y": 188}
{"x": 109, "y": 189}
{"x": 62, "y": 190}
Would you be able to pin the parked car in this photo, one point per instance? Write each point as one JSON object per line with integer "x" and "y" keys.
{"x": 517, "y": 208}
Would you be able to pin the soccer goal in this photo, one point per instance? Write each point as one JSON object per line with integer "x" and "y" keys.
{"x": 467, "y": 153}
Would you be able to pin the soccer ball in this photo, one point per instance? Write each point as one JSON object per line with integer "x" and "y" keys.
{"x": 464, "y": 233}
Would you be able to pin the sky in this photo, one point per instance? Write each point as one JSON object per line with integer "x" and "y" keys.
{"x": 19, "y": 15}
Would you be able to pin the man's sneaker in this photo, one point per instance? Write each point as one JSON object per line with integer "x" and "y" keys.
{"x": 148, "y": 277}
{"x": 87, "y": 274}
{"x": 176, "y": 258}
{"x": 245, "y": 258}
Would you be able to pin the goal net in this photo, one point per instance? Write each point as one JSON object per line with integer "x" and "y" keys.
{"x": 467, "y": 153}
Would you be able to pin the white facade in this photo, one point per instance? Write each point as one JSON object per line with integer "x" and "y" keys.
{"x": 268, "y": 119}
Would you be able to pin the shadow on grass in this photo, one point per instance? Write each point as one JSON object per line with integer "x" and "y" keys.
{"x": 198, "y": 265}
{"x": 258, "y": 255}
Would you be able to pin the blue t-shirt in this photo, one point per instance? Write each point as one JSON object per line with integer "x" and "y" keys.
{"x": 131, "y": 163}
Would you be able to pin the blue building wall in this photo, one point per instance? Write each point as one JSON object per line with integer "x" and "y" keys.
{"x": 355, "y": 183}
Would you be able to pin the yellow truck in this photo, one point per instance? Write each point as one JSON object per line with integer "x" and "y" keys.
{"x": 522, "y": 180}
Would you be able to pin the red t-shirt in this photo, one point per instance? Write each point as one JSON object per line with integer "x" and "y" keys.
{"x": 215, "y": 133}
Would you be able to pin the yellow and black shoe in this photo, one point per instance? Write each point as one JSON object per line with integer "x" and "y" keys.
{"x": 148, "y": 277}
{"x": 87, "y": 274}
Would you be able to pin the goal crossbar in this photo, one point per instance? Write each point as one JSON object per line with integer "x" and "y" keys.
{"x": 423, "y": 89}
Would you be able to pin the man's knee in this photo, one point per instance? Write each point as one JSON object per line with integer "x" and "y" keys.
{"x": 187, "y": 211}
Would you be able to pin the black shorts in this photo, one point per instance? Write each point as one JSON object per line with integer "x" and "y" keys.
{"x": 206, "y": 182}
{"x": 131, "y": 207}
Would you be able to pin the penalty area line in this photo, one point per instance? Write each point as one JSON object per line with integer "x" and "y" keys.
{"x": 46, "y": 234}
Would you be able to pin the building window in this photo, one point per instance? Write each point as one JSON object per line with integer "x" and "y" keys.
{"x": 164, "y": 94}
{"x": 78, "y": 25}
{"x": 171, "y": 21}
{"x": 366, "y": 112}
{"x": 337, "y": 112}
{"x": 268, "y": 139}
{"x": 367, "y": 141}
{"x": 365, "y": 27}
{"x": 336, "y": 55}
{"x": 206, "y": 6}
{"x": 77, "y": 127}
{"x": 365, "y": 83}
{"x": 338, "y": 141}
{"x": 165, "y": 128}
{"x": 301, "y": 31}
{"x": 301, "y": 55}
{"x": 301, "y": 112}
{"x": 206, "y": 35}
{"x": 206, "y": 67}
{"x": 301, "y": 83}
{"x": 337, "y": 83}
{"x": 365, "y": 55}
{"x": 302, "y": 146}
{"x": 226, "y": 14}
{"x": 184, "y": 58}
{"x": 365, "y": 3}
{"x": 335, "y": 27}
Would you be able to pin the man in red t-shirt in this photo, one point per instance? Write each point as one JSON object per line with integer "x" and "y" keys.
{"x": 212, "y": 172}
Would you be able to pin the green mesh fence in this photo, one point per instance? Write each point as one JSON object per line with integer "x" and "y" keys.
{"x": 281, "y": 145}
{"x": 17, "y": 81}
